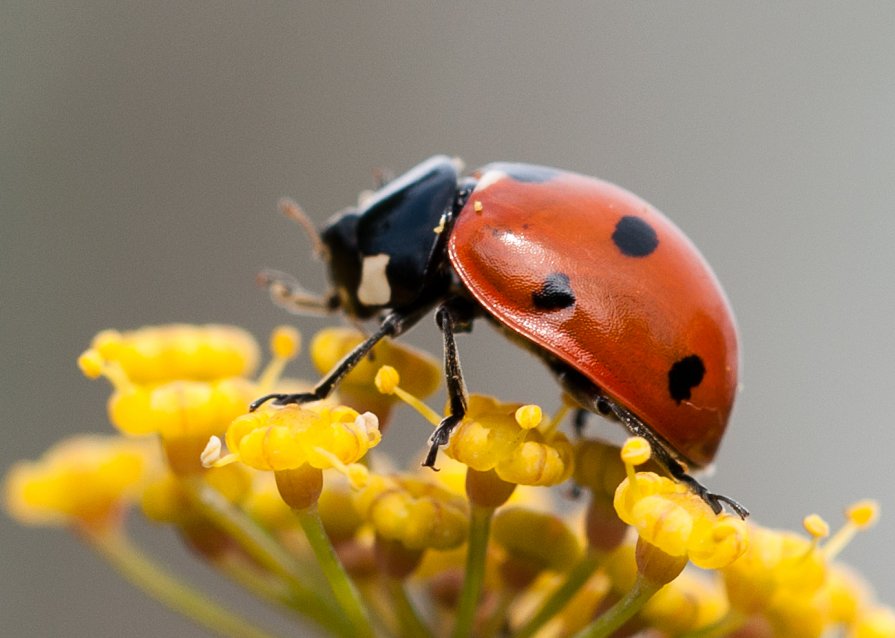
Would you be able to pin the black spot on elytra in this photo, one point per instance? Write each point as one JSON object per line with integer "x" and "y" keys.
{"x": 555, "y": 293}
{"x": 684, "y": 375}
{"x": 634, "y": 237}
{"x": 526, "y": 173}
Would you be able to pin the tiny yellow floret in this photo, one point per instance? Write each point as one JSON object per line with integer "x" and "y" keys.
{"x": 816, "y": 526}
{"x": 529, "y": 416}
{"x": 91, "y": 363}
{"x": 85, "y": 479}
{"x": 291, "y": 436}
{"x": 387, "y": 379}
{"x": 285, "y": 342}
{"x": 636, "y": 451}
{"x": 418, "y": 513}
{"x": 863, "y": 513}
{"x": 667, "y": 514}
{"x": 490, "y": 437}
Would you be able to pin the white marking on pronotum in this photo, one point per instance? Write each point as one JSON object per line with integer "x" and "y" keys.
{"x": 374, "y": 289}
{"x": 491, "y": 177}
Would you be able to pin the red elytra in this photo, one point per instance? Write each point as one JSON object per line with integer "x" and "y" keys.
{"x": 615, "y": 299}
{"x": 625, "y": 298}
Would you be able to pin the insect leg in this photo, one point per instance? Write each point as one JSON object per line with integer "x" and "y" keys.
{"x": 286, "y": 292}
{"x": 637, "y": 428}
{"x": 392, "y": 325}
{"x": 448, "y": 320}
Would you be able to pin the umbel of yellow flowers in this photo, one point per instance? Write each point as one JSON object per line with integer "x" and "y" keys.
{"x": 298, "y": 505}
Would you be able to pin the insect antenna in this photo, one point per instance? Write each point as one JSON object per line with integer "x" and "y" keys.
{"x": 296, "y": 213}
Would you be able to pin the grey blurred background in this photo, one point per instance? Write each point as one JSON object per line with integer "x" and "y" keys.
{"x": 144, "y": 149}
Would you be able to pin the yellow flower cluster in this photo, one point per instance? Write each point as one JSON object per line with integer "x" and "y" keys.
{"x": 298, "y": 504}
{"x": 670, "y": 516}
{"x": 183, "y": 383}
{"x": 82, "y": 480}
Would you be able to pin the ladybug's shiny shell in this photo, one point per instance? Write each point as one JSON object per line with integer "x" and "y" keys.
{"x": 604, "y": 282}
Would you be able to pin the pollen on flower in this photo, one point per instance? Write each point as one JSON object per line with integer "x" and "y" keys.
{"x": 636, "y": 451}
{"x": 816, "y": 526}
{"x": 863, "y": 513}
{"x": 91, "y": 363}
{"x": 387, "y": 379}
{"x": 529, "y": 416}
{"x": 285, "y": 342}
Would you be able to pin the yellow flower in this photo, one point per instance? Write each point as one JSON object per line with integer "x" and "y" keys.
{"x": 670, "y": 516}
{"x": 181, "y": 382}
{"x": 689, "y": 602}
{"x": 180, "y": 408}
{"x": 86, "y": 479}
{"x": 491, "y": 436}
{"x": 791, "y": 581}
{"x": 283, "y": 438}
{"x": 298, "y": 442}
{"x": 503, "y": 437}
{"x": 878, "y": 622}
{"x": 155, "y": 354}
{"x": 418, "y": 513}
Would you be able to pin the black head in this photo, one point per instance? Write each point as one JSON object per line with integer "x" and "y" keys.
{"x": 388, "y": 253}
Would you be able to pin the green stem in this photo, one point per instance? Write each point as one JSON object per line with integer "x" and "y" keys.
{"x": 560, "y": 598}
{"x": 168, "y": 589}
{"x": 270, "y": 554}
{"x": 343, "y": 588}
{"x": 476, "y": 551}
{"x": 409, "y": 620}
{"x": 621, "y": 612}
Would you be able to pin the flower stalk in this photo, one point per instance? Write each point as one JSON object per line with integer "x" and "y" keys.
{"x": 621, "y": 612}
{"x": 344, "y": 590}
{"x": 477, "y": 549}
{"x": 167, "y": 589}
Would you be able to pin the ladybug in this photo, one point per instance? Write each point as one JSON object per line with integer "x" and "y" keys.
{"x": 604, "y": 288}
